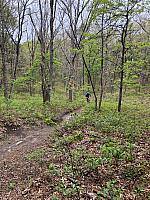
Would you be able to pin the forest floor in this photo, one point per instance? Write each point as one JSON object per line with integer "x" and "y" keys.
{"x": 20, "y": 141}
{"x": 87, "y": 155}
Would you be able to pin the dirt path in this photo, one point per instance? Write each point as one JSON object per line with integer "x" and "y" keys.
{"x": 16, "y": 172}
{"x": 23, "y": 141}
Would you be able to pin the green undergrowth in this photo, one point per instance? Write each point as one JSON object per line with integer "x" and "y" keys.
{"x": 106, "y": 150}
{"x": 31, "y": 109}
{"x": 95, "y": 155}
{"x": 109, "y": 147}
{"x": 134, "y": 117}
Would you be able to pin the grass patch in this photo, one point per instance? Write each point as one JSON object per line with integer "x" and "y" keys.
{"x": 31, "y": 109}
{"x": 133, "y": 119}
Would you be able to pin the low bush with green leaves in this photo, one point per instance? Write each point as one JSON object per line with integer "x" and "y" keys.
{"x": 110, "y": 191}
{"x": 112, "y": 149}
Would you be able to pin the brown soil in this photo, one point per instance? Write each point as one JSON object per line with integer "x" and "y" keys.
{"x": 15, "y": 144}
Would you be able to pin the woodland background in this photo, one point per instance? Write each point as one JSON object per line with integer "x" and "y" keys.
{"x": 53, "y": 144}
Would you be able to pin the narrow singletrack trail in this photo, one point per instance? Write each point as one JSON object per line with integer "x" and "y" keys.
{"x": 29, "y": 139}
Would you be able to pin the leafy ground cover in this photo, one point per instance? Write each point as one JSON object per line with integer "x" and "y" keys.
{"x": 24, "y": 109}
{"x": 102, "y": 155}
{"x": 107, "y": 154}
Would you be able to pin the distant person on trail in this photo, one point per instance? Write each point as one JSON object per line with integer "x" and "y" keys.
{"x": 87, "y": 95}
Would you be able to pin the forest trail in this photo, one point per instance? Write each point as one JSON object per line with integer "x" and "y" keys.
{"x": 22, "y": 141}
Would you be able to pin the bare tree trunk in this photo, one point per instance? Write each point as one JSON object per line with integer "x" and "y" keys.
{"x": 91, "y": 82}
{"x": 83, "y": 75}
{"x": 4, "y": 69}
{"x": 51, "y": 68}
{"x": 129, "y": 11}
{"x": 123, "y": 41}
{"x": 70, "y": 94}
{"x": 42, "y": 33}
{"x": 21, "y": 9}
{"x": 14, "y": 76}
{"x": 3, "y": 47}
{"x": 32, "y": 49}
{"x": 45, "y": 84}
{"x": 120, "y": 90}
{"x": 102, "y": 64}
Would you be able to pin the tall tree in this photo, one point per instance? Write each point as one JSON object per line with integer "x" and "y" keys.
{"x": 126, "y": 10}
{"x": 53, "y": 6}
{"x": 6, "y": 20}
{"x": 74, "y": 11}
{"x": 43, "y": 24}
{"x": 16, "y": 35}
{"x": 32, "y": 47}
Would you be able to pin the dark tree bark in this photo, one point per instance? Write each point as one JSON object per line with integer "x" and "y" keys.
{"x": 127, "y": 15}
{"x": 123, "y": 53}
{"x": 32, "y": 45}
{"x": 102, "y": 64}
{"x": 21, "y": 6}
{"x": 3, "y": 47}
{"x": 52, "y": 17}
{"x": 46, "y": 45}
{"x": 4, "y": 70}
{"x": 91, "y": 82}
